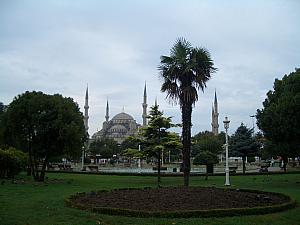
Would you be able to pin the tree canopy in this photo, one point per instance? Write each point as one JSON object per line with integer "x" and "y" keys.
{"x": 131, "y": 142}
{"x": 206, "y": 147}
{"x": 1, "y": 108}
{"x": 155, "y": 135}
{"x": 45, "y": 126}
{"x": 207, "y": 141}
{"x": 172, "y": 145}
{"x": 132, "y": 153}
{"x": 279, "y": 119}
{"x": 184, "y": 72}
{"x": 243, "y": 144}
{"x": 105, "y": 147}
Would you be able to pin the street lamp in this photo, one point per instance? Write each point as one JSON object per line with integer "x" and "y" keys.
{"x": 226, "y": 126}
{"x": 253, "y": 117}
{"x": 139, "y": 160}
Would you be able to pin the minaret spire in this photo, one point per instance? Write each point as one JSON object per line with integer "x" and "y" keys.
{"x": 107, "y": 111}
{"x": 144, "y": 116}
{"x": 215, "y": 116}
{"x": 86, "y": 110}
{"x": 216, "y": 103}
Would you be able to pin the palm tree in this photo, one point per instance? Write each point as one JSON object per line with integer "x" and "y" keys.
{"x": 184, "y": 72}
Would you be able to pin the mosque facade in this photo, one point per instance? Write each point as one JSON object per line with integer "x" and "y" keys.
{"x": 121, "y": 126}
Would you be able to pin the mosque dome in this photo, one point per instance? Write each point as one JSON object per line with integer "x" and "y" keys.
{"x": 122, "y": 116}
{"x": 118, "y": 129}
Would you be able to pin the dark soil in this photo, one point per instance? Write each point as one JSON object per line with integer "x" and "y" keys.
{"x": 174, "y": 199}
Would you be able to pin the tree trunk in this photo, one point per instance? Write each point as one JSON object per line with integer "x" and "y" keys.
{"x": 35, "y": 169}
{"x": 206, "y": 175}
{"x": 186, "y": 141}
{"x": 244, "y": 164}
{"x": 42, "y": 173}
{"x": 285, "y": 161}
{"x": 31, "y": 160}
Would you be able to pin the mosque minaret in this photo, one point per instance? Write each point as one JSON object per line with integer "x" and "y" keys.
{"x": 215, "y": 116}
{"x": 145, "y": 107}
{"x": 122, "y": 125}
{"x": 86, "y": 111}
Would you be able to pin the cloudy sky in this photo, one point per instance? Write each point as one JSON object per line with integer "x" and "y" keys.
{"x": 58, "y": 46}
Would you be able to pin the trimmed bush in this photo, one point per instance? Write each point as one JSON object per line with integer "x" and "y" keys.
{"x": 12, "y": 162}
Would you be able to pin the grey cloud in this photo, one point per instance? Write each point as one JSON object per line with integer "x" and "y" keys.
{"x": 114, "y": 46}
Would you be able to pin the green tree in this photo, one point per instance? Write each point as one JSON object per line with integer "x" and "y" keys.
{"x": 222, "y": 137}
{"x": 206, "y": 158}
{"x": 155, "y": 134}
{"x": 45, "y": 126}
{"x": 206, "y": 147}
{"x": 132, "y": 153}
{"x": 1, "y": 108}
{"x": 12, "y": 162}
{"x": 243, "y": 144}
{"x": 206, "y": 141}
{"x": 105, "y": 147}
{"x": 184, "y": 72}
{"x": 279, "y": 119}
{"x": 131, "y": 142}
{"x": 172, "y": 146}
{"x": 2, "y": 128}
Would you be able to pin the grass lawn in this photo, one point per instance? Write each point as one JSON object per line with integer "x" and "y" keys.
{"x": 31, "y": 203}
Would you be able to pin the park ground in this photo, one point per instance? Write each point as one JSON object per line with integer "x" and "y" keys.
{"x": 24, "y": 202}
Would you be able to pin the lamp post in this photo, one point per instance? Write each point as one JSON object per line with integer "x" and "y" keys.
{"x": 139, "y": 160}
{"x": 82, "y": 159}
{"x": 253, "y": 117}
{"x": 226, "y": 126}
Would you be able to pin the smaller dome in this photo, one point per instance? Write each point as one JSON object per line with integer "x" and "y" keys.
{"x": 122, "y": 116}
{"x": 117, "y": 128}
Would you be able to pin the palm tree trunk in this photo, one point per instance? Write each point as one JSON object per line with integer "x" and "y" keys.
{"x": 186, "y": 141}
{"x": 159, "y": 159}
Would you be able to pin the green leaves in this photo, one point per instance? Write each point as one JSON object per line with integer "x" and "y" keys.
{"x": 242, "y": 143}
{"x": 132, "y": 153}
{"x": 156, "y": 133}
{"x": 45, "y": 126}
{"x": 186, "y": 70}
{"x": 206, "y": 147}
{"x": 280, "y": 117}
{"x": 205, "y": 158}
{"x": 105, "y": 147}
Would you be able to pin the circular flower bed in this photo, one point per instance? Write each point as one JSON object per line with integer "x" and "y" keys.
{"x": 181, "y": 202}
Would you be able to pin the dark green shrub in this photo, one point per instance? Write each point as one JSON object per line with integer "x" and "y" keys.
{"x": 250, "y": 159}
{"x": 12, "y": 162}
{"x": 87, "y": 160}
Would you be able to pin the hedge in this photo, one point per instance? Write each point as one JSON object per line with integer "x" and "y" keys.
{"x": 12, "y": 162}
{"x": 163, "y": 174}
{"x": 188, "y": 213}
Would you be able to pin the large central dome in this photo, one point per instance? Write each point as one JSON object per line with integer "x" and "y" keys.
{"x": 122, "y": 116}
{"x": 122, "y": 125}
